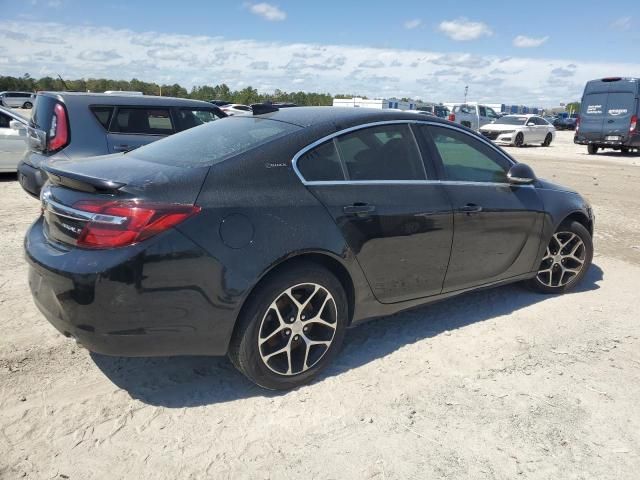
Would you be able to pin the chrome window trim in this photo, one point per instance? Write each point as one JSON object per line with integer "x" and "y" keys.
{"x": 296, "y": 157}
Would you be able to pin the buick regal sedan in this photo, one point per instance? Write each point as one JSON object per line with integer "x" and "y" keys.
{"x": 265, "y": 237}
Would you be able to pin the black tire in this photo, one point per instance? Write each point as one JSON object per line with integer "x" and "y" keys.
{"x": 625, "y": 150}
{"x": 244, "y": 351}
{"x": 578, "y": 229}
{"x": 27, "y": 105}
{"x": 519, "y": 140}
{"x": 547, "y": 140}
{"x": 592, "y": 149}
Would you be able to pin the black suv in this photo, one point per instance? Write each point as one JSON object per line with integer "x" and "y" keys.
{"x": 69, "y": 125}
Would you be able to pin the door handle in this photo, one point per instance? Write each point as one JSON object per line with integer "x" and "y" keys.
{"x": 359, "y": 209}
{"x": 470, "y": 208}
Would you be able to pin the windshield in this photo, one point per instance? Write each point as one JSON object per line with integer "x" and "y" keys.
{"x": 214, "y": 142}
{"x": 511, "y": 120}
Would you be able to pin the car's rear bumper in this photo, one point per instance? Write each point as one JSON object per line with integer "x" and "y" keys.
{"x": 632, "y": 141}
{"x": 31, "y": 179}
{"x": 157, "y": 298}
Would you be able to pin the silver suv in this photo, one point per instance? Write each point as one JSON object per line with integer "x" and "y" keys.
{"x": 70, "y": 125}
{"x": 17, "y": 99}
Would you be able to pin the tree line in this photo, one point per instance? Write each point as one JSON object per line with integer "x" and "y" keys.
{"x": 247, "y": 95}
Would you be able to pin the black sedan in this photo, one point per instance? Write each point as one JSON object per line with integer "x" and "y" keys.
{"x": 265, "y": 237}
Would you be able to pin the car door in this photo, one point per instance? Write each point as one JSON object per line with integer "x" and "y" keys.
{"x": 134, "y": 126}
{"x": 497, "y": 225}
{"x": 397, "y": 222}
{"x": 621, "y": 106}
{"x": 12, "y": 144}
{"x": 542, "y": 128}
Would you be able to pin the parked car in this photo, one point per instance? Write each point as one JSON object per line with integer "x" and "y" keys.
{"x": 67, "y": 125}
{"x": 265, "y": 237}
{"x": 609, "y": 115}
{"x": 17, "y": 99}
{"x": 520, "y": 130}
{"x": 13, "y": 139}
{"x": 434, "y": 109}
{"x": 219, "y": 103}
{"x": 472, "y": 115}
{"x": 566, "y": 122}
{"x": 236, "y": 109}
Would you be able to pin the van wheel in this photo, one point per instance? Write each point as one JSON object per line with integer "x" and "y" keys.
{"x": 592, "y": 149}
{"x": 519, "y": 141}
{"x": 27, "y": 105}
{"x": 291, "y": 328}
{"x": 547, "y": 140}
{"x": 625, "y": 150}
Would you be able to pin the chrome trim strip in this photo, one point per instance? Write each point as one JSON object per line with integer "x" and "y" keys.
{"x": 294, "y": 161}
{"x": 324, "y": 183}
{"x": 74, "y": 214}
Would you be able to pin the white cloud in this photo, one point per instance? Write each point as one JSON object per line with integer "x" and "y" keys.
{"x": 463, "y": 29}
{"x": 268, "y": 11}
{"x": 411, "y": 24}
{"x": 81, "y": 51}
{"x": 522, "y": 41}
{"x": 622, "y": 23}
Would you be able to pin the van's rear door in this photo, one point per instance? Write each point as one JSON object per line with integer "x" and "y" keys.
{"x": 592, "y": 116}
{"x": 621, "y": 106}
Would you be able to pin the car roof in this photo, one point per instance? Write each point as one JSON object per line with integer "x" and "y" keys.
{"x": 339, "y": 118}
{"x": 111, "y": 99}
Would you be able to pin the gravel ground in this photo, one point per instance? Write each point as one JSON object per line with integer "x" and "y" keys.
{"x": 499, "y": 384}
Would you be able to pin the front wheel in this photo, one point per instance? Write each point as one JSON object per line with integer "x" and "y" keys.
{"x": 592, "y": 149}
{"x": 519, "y": 140}
{"x": 547, "y": 140}
{"x": 291, "y": 328}
{"x": 566, "y": 259}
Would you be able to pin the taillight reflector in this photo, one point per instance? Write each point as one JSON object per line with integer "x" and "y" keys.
{"x": 122, "y": 223}
{"x": 578, "y": 124}
{"x": 634, "y": 123}
{"x": 59, "y": 130}
{"x": 452, "y": 117}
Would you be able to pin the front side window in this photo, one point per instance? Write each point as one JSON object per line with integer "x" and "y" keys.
{"x": 149, "y": 121}
{"x": 4, "y": 120}
{"x": 321, "y": 164}
{"x": 386, "y": 152}
{"x": 467, "y": 159}
{"x": 491, "y": 113}
{"x": 483, "y": 111}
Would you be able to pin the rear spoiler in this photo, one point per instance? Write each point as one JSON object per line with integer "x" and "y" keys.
{"x": 260, "y": 108}
{"x": 80, "y": 182}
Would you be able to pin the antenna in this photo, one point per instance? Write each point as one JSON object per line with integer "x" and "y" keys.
{"x": 63, "y": 82}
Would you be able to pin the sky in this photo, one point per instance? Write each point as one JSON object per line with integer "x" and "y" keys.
{"x": 537, "y": 53}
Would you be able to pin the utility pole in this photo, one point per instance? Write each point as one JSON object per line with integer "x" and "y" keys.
{"x": 466, "y": 90}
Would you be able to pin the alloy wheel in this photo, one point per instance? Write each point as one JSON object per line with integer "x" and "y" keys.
{"x": 563, "y": 260}
{"x": 297, "y": 329}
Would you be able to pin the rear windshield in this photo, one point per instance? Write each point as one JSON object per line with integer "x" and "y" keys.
{"x": 214, "y": 142}
{"x": 614, "y": 104}
{"x": 42, "y": 112}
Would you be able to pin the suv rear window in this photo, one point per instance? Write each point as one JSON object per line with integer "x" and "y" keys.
{"x": 214, "y": 142}
{"x": 146, "y": 121}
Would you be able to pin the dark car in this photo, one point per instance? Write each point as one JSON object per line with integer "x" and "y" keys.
{"x": 67, "y": 125}
{"x": 265, "y": 237}
{"x": 566, "y": 122}
{"x": 609, "y": 115}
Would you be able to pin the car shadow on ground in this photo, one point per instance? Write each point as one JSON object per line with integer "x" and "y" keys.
{"x": 8, "y": 177}
{"x": 178, "y": 382}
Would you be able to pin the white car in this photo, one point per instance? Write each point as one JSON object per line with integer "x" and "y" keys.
{"x": 236, "y": 109}
{"x": 13, "y": 139}
{"x": 520, "y": 130}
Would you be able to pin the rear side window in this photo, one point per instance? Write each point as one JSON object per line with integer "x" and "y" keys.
{"x": 321, "y": 164}
{"x": 192, "y": 117}
{"x": 146, "y": 121}
{"x": 214, "y": 142}
{"x": 103, "y": 115}
{"x": 467, "y": 159}
{"x": 386, "y": 152}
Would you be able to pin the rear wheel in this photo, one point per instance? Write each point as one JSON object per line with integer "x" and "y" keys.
{"x": 291, "y": 328}
{"x": 625, "y": 150}
{"x": 592, "y": 149}
{"x": 566, "y": 259}
{"x": 519, "y": 140}
{"x": 547, "y": 140}
{"x": 27, "y": 105}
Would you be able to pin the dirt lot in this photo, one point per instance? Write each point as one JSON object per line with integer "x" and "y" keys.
{"x": 499, "y": 384}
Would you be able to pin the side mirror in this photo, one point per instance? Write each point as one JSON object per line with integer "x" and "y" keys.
{"x": 531, "y": 124}
{"x": 16, "y": 125}
{"x": 521, "y": 174}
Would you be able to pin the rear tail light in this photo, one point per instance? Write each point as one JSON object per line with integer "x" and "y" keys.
{"x": 121, "y": 223}
{"x": 634, "y": 124}
{"x": 577, "y": 123}
{"x": 58, "y": 137}
{"x": 452, "y": 117}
